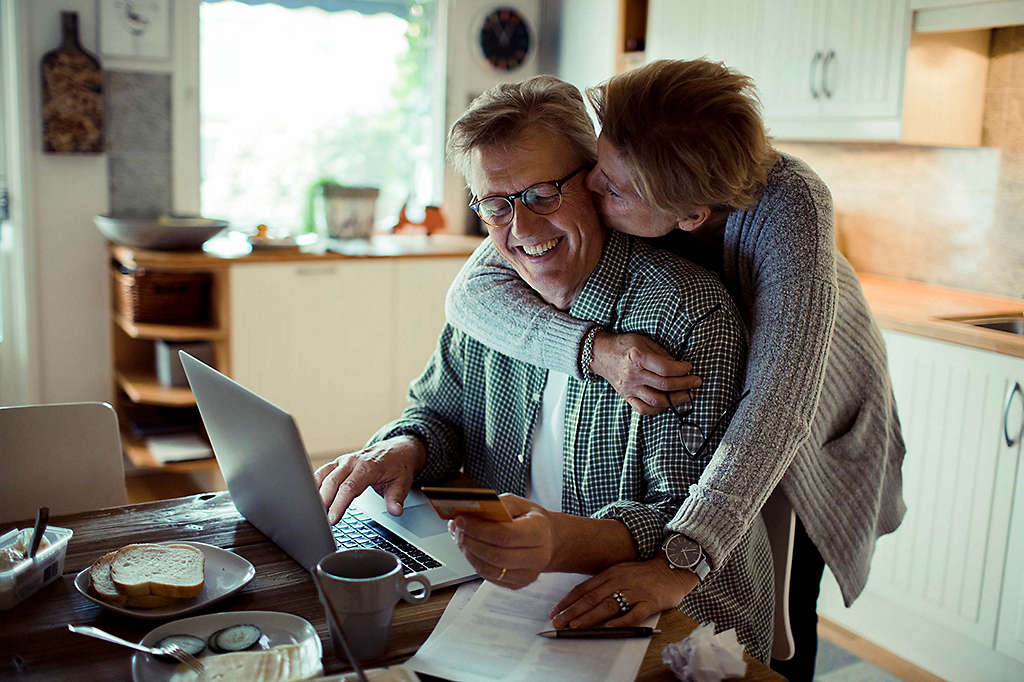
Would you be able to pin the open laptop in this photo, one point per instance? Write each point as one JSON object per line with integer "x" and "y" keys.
{"x": 264, "y": 462}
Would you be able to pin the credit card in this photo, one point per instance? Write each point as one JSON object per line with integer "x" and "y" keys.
{"x": 482, "y": 503}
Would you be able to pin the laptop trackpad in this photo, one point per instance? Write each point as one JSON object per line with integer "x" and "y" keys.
{"x": 421, "y": 520}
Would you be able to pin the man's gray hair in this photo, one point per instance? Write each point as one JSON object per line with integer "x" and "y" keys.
{"x": 502, "y": 113}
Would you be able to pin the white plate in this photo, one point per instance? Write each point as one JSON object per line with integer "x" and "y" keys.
{"x": 278, "y": 628}
{"x": 225, "y": 574}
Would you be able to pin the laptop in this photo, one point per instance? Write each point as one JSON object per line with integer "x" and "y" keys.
{"x": 264, "y": 462}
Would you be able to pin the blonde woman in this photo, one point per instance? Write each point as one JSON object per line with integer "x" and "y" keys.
{"x": 683, "y": 158}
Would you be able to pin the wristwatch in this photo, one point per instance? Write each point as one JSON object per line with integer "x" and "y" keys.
{"x": 682, "y": 552}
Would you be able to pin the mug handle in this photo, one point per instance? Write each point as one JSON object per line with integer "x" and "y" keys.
{"x": 420, "y": 597}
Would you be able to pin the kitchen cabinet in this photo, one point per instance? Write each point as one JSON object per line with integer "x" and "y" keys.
{"x": 824, "y": 68}
{"x": 937, "y": 592}
{"x": 336, "y": 343}
{"x": 1010, "y": 630}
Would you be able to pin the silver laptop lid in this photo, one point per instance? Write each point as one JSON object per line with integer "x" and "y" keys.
{"x": 264, "y": 462}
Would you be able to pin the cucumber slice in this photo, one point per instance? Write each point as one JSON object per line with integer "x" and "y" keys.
{"x": 234, "y": 638}
{"x": 193, "y": 645}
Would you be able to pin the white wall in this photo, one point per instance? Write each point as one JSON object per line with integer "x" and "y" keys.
{"x": 70, "y": 268}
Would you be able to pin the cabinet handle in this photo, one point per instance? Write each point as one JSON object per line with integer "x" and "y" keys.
{"x": 814, "y": 68}
{"x": 312, "y": 271}
{"x": 829, "y": 58}
{"x": 1010, "y": 442}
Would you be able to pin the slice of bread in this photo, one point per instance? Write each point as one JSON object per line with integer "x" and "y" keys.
{"x": 99, "y": 579}
{"x": 175, "y": 571}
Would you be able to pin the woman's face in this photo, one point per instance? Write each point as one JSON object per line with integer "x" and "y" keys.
{"x": 618, "y": 203}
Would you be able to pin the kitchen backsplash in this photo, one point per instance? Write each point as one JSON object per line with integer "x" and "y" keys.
{"x": 942, "y": 215}
{"x": 138, "y": 118}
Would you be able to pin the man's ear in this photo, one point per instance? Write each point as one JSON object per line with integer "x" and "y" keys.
{"x": 694, "y": 218}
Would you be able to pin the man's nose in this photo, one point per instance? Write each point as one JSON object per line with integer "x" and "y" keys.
{"x": 525, "y": 221}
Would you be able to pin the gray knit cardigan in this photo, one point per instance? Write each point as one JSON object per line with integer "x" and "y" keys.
{"x": 820, "y": 417}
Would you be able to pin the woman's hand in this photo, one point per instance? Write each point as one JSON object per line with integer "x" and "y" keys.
{"x": 641, "y": 371}
{"x": 510, "y": 553}
{"x": 649, "y": 587}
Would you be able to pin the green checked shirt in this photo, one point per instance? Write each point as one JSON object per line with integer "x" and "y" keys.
{"x": 475, "y": 408}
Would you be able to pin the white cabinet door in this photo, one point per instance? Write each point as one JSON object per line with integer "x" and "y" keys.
{"x": 865, "y": 46}
{"x": 1010, "y": 633}
{"x": 317, "y": 340}
{"x": 789, "y": 76}
{"x": 721, "y": 30}
{"x": 420, "y": 288}
{"x": 933, "y": 595}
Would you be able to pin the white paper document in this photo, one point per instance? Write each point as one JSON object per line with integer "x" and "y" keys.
{"x": 494, "y": 637}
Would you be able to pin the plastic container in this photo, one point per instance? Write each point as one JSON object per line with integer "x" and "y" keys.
{"x": 26, "y": 577}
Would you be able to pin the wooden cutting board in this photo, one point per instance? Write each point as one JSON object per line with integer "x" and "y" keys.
{"x": 72, "y": 95}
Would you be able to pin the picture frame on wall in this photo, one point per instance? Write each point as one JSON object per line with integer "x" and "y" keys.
{"x": 135, "y": 28}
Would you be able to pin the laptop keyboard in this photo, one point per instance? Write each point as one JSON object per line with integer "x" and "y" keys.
{"x": 356, "y": 530}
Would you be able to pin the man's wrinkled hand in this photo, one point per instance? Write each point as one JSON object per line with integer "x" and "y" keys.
{"x": 509, "y": 553}
{"x": 649, "y": 587}
{"x": 388, "y": 467}
{"x": 642, "y": 372}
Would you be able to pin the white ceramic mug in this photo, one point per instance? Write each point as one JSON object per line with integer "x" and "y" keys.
{"x": 363, "y": 586}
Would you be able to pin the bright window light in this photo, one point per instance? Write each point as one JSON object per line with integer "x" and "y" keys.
{"x": 293, "y": 97}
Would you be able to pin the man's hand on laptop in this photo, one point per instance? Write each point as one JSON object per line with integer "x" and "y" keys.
{"x": 388, "y": 467}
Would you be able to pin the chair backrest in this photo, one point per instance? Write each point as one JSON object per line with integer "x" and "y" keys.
{"x": 780, "y": 521}
{"x": 64, "y": 456}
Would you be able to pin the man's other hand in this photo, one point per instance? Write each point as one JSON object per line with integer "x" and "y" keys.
{"x": 508, "y": 553}
{"x": 388, "y": 467}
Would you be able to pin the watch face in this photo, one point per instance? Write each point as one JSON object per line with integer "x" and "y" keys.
{"x": 682, "y": 552}
{"x": 505, "y": 38}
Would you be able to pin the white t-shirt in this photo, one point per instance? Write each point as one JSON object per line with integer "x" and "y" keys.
{"x": 544, "y": 485}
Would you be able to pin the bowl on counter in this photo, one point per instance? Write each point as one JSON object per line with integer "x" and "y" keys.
{"x": 162, "y": 233}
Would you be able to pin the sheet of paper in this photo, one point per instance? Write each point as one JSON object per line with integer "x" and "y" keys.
{"x": 494, "y": 637}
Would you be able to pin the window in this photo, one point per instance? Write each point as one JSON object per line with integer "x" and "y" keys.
{"x": 297, "y": 92}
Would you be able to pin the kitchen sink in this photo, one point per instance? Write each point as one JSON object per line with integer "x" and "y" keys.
{"x": 1013, "y": 324}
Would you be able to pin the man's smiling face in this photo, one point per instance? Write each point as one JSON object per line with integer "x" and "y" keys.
{"x": 554, "y": 253}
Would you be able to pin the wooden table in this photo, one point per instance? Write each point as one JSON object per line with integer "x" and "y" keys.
{"x": 36, "y": 645}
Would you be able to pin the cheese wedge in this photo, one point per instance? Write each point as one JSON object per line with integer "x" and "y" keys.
{"x": 280, "y": 664}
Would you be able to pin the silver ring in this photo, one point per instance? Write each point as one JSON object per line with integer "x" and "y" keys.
{"x": 624, "y": 606}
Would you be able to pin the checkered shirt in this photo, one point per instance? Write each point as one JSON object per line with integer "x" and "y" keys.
{"x": 475, "y": 408}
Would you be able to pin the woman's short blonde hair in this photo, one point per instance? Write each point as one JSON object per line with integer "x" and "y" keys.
{"x": 502, "y": 113}
{"x": 690, "y": 130}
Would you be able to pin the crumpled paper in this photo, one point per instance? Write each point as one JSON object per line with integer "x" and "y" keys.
{"x": 705, "y": 656}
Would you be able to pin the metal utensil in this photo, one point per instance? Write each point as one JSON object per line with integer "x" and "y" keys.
{"x": 42, "y": 516}
{"x": 173, "y": 650}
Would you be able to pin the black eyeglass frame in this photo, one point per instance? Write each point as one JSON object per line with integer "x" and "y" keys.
{"x": 687, "y": 422}
{"x": 511, "y": 198}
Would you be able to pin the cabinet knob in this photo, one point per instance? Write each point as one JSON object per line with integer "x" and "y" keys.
{"x": 829, "y": 58}
{"x": 815, "y": 60}
{"x": 1011, "y": 441}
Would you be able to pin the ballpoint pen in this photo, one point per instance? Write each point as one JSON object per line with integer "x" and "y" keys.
{"x": 600, "y": 633}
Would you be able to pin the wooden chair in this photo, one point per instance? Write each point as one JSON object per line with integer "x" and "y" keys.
{"x": 63, "y": 456}
{"x": 780, "y": 520}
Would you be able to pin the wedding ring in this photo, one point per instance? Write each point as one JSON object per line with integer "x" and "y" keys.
{"x": 621, "y": 601}
{"x": 501, "y": 576}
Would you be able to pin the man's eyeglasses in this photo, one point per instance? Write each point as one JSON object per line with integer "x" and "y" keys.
{"x": 543, "y": 198}
{"x": 690, "y": 430}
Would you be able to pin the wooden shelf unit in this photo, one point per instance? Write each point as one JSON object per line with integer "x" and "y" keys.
{"x": 134, "y": 350}
{"x": 629, "y": 50}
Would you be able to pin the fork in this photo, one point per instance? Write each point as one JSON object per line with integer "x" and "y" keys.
{"x": 172, "y": 650}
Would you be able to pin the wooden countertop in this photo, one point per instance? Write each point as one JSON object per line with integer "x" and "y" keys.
{"x": 933, "y": 311}
{"x": 223, "y": 252}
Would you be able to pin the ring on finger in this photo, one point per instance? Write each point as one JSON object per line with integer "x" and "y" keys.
{"x": 501, "y": 576}
{"x": 624, "y": 606}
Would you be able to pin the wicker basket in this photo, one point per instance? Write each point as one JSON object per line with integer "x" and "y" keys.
{"x": 147, "y": 296}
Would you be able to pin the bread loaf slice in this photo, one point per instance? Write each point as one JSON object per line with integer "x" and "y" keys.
{"x": 175, "y": 571}
{"x": 99, "y": 579}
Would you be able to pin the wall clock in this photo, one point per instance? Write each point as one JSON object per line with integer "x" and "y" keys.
{"x": 504, "y": 38}
{"x": 135, "y": 28}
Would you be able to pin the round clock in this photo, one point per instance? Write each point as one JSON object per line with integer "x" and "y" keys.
{"x": 505, "y": 39}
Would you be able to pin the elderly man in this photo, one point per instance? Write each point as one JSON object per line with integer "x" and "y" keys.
{"x": 590, "y": 483}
